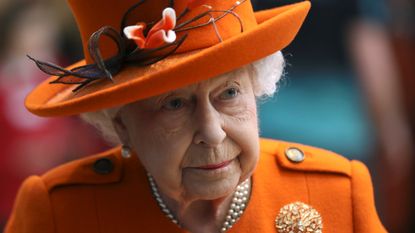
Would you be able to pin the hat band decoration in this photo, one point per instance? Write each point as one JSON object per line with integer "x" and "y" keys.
{"x": 152, "y": 42}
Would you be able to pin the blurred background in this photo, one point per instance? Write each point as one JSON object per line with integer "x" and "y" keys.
{"x": 349, "y": 87}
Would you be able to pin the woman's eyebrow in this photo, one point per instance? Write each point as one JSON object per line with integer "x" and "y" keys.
{"x": 161, "y": 97}
{"x": 230, "y": 82}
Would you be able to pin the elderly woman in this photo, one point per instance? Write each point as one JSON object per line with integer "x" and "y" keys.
{"x": 179, "y": 92}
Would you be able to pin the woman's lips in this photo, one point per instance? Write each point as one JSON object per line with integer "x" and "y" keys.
{"x": 215, "y": 166}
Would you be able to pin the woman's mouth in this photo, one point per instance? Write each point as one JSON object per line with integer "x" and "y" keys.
{"x": 215, "y": 166}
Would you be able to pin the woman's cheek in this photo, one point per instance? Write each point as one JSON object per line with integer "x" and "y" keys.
{"x": 242, "y": 115}
{"x": 172, "y": 121}
{"x": 242, "y": 108}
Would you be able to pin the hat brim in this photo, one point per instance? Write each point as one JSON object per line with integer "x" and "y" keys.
{"x": 276, "y": 29}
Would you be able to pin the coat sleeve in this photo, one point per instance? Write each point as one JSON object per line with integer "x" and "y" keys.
{"x": 365, "y": 217}
{"x": 32, "y": 212}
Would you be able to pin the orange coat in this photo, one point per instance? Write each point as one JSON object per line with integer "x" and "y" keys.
{"x": 73, "y": 198}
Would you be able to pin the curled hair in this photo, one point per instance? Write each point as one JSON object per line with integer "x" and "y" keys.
{"x": 264, "y": 75}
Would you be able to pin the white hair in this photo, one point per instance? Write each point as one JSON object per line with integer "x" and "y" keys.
{"x": 264, "y": 74}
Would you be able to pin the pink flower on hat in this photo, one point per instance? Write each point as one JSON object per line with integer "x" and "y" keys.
{"x": 161, "y": 33}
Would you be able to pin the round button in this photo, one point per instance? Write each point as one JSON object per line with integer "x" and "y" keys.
{"x": 103, "y": 166}
{"x": 295, "y": 155}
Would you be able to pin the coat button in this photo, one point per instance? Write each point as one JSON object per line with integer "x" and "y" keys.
{"x": 103, "y": 166}
{"x": 295, "y": 155}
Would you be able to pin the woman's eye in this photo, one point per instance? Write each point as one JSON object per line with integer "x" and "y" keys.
{"x": 229, "y": 93}
{"x": 174, "y": 104}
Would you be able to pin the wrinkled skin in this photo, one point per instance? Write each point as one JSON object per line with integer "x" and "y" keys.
{"x": 180, "y": 134}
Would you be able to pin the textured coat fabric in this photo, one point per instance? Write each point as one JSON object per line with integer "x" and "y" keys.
{"x": 73, "y": 198}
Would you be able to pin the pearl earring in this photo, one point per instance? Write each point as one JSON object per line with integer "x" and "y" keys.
{"x": 125, "y": 151}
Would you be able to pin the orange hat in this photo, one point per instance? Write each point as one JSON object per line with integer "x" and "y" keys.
{"x": 161, "y": 45}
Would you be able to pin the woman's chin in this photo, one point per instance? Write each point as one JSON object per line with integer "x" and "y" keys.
{"x": 203, "y": 186}
{"x": 213, "y": 191}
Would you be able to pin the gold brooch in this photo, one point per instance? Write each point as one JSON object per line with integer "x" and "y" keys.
{"x": 298, "y": 217}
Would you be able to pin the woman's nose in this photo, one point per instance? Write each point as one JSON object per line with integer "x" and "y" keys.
{"x": 209, "y": 126}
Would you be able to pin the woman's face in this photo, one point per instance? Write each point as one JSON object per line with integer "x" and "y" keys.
{"x": 198, "y": 142}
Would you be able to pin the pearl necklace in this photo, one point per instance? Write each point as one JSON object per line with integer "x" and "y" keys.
{"x": 239, "y": 201}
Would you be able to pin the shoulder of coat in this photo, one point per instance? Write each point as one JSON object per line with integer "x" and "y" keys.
{"x": 100, "y": 168}
{"x": 295, "y": 156}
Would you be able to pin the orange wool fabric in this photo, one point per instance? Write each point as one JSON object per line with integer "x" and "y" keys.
{"x": 74, "y": 199}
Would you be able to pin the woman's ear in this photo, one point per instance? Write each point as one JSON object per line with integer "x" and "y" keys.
{"x": 121, "y": 130}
